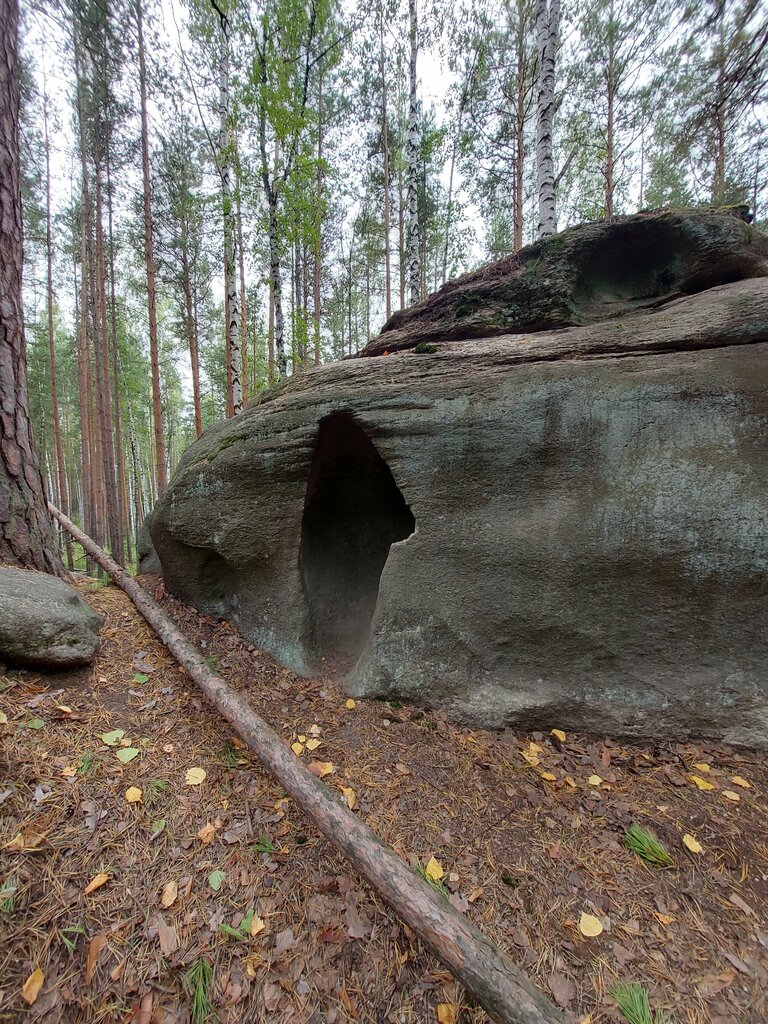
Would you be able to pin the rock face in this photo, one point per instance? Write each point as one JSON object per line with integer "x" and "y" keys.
{"x": 586, "y": 275}
{"x": 567, "y": 528}
{"x": 44, "y": 623}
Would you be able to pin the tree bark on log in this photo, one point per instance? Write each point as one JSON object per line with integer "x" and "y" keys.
{"x": 484, "y": 970}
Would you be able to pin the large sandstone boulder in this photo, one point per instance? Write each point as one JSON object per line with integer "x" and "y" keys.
{"x": 586, "y": 275}
{"x": 44, "y": 623}
{"x": 567, "y": 528}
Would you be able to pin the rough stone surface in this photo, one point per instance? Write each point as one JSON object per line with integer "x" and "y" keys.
{"x": 587, "y": 274}
{"x": 148, "y": 562}
{"x": 44, "y": 623}
{"x": 558, "y": 529}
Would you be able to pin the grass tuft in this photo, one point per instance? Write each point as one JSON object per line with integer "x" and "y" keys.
{"x": 647, "y": 846}
{"x": 197, "y": 982}
{"x": 633, "y": 1002}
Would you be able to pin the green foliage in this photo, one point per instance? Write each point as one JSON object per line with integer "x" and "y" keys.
{"x": 633, "y": 1001}
{"x": 647, "y": 846}
{"x": 197, "y": 981}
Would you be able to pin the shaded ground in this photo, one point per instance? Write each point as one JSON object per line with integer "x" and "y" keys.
{"x": 524, "y": 854}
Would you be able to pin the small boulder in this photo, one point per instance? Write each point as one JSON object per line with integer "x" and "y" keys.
{"x": 44, "y": 623}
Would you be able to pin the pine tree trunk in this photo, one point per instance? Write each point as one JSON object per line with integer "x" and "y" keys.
{"x": 26, "y": 534}
{"x": 122, "y": 483}
{"x": 547, "y": 25}
{"x": 114, "y": 518}
{"x": 149, "y": 251}
{"x": 61, "y": 476}
{"x": 276, "y": 287}
{"x": 191, "y": 335}
{"x": 414, "y": 166}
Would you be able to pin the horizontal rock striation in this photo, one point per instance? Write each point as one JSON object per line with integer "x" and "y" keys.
{"x": 562, "y": 528}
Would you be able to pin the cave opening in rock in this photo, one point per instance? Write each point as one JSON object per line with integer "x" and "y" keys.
{"x": 353, "y": 513}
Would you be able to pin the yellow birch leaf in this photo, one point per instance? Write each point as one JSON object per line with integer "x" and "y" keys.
{"x": 558, "y": 734}
{"x": 297, "y": 748}
{"x": 321, "y": 768}
{"x": 257, "y": 925}
{"x": 96, "y": 882}
{"x": 589, "y": 925}
{"x": 702, "y": 766}
{"x": 314, "y": 730}
{"x": 349, "y": 796}
{"x": 549, "y": 776}
{"x": 350, "y": 704}
{"x": 569, "y": 782}
{"x": 170, "y": 893}
{"x": 313, "y": 744}
{"x": 194, "y": 776}
{"x": 701, "y": 783}
{"x": 738, "y": 781}
{"x": 595, "y": 780}
{"x": 663, "y": 918}
{"x": 3, "y": 718}
{"x": 730, "y": 795}
{"x": 691, "y": 844}
{"x": 434, "y": 870}
{"x": 30, "y": 990}
{"x": 133, "y": 795}
{"x": 446, "y": 1013}
{"x": 69, "y": 772}
{"x": 302, "y": 739}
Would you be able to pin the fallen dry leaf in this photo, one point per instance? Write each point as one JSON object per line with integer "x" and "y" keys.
{"x": 133, "y": 795}
{"x": 730, "y": 795}
{"x": 595, "y": 780}
{"x": 350, "y": 704}
{"x": 321, "y": 768}
{"x": 701, "y": 783}
{"x": 194, "y": 776}
{"x": 30, "y": 990}
{"x": 549, "y": 776}
{"x": 701, "y": 766}
{"x": 349, "y": 796}
{"x": 297, "y": 748}
{"x": 207, "y": 833}
{"x": 96, "y": 882}
{"x": 97, "y": 943}
{"x": 589, "y": 925}
{"x": 313, "y": 744}
{"x": 257, "y": 925}
{"x": 170, "y": 893}
{"x": 737, "y": 780}
{"x": 447, "y": 1013}
{"x": 558, "y": 734}
{"x": 691, "y": 844}
{"x": 434, "y": 870}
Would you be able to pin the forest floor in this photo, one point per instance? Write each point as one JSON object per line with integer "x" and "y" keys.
{"x": 107, "y": 906}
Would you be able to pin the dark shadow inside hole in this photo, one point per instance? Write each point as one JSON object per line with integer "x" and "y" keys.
{"x": 353, "y": 513}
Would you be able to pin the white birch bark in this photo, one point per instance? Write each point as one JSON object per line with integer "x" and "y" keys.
{"x": 413, "y": 157}
{"x": 547, "y": 25}
{"x": 230, "y": 238}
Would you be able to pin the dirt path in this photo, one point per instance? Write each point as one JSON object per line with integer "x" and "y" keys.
{"x": 226, "y": 872}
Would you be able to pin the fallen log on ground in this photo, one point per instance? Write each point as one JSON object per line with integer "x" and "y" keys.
{"x": 486, "y": 972}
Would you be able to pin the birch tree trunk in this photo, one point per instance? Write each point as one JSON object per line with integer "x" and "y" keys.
{"x": 26, "y": 534}
{"x": 385, "y": 147}
{"x": 318, "y": 222}
{"x": 149, "y": 250}
{"x": 547, "y": 25}
{"x": 234, "y": 370}
{"x": 414, "y": 166}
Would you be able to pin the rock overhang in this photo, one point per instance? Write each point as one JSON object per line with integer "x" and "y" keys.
{"x": 590, "y": 522}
